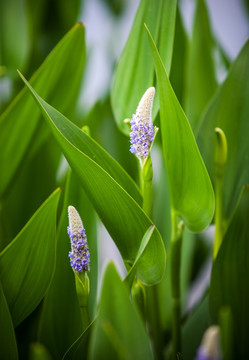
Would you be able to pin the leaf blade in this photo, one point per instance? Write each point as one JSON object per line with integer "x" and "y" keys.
{"x": 122, "y": 216}
{"x": 24, "y": 272}
{"x": 190, "y": 188}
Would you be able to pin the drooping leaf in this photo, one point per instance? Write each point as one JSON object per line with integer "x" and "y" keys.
{"x": 60, "y": 322}
{"x": 229, "y": 281}
{"x": 190, "y": 188}
{"x": 61, "y": 70}
{"x": 229, "y": 111}
{"x": 118, "y": 332}
{"x": 102, "y": 180}
{"x": 27, "y": 263}
{"x": 202, "y": 82}
{"x": 135, "y": 71}
{"x": 7, "y": 334}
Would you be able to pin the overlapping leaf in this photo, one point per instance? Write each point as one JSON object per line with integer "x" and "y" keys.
{"x": 27, "y": 263}
{"x": 120, "y": 213}
{"x": 135, "y": 71}
{"x": 190, "y": 188}
{"x": 229, "y": 110}
{"x": 229, "y": 281}
{"x": 118, "y": 330}
{"x": 60, "y": 71}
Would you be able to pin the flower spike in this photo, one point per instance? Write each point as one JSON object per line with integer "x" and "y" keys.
{"x": 142, "y": 134}
{"x": 79, "y": 254}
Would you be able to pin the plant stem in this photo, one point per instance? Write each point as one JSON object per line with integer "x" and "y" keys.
{"x": 82, "y": 290}
{"x": 146, "y": 185}
{"x": 176, "y": 246}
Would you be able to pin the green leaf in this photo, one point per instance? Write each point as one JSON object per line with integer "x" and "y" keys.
{"x": 7, "y": 334}
{"x": 27, "y": 263}
{"x": 179, "y": 58}
{"x": 120, "y": 213}
{"x": 201, "y": 71}
{"x": 135, "y": 71}
{"x": 140, "y": 259}
{"x": 190, "y": 188}
{"x": 61, "y": 70}
{"x": 57, "y": 331}
{"x": 118, "y": 331}
{"x": 229, "y": 280}
{"x": 229, "y": 111}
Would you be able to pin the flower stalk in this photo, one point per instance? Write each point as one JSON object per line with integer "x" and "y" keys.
{"x": 142, "y": 137}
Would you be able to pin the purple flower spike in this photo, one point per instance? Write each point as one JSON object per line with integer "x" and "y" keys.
{"x": 79, "y": 254}
{"x": 142, "y": 127}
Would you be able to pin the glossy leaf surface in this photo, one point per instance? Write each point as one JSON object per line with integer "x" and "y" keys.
{"x": 122, "y": 216}
{"x": 190, "y": 188}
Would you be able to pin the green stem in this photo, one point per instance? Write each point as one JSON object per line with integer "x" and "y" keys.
{"x": 146, "y": 175}
{"x": 176, "y": 246}
{"x": 146, "y": 185}
{"x": 82, "y": 290}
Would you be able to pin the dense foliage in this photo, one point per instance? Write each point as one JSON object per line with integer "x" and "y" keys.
{"x": 170, "y": 228}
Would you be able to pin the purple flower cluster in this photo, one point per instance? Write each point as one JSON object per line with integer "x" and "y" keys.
{"x": 141, "y": 136}
{"x": 142, "y": 132}
{"x": 79, "y": 255}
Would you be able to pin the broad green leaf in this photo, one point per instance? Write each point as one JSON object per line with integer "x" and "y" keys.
{"x": 191, "y": 192}
{"x": 7, "y": 334}
{"x": 229, "y": 110}
{"x": 118, "y": 331}
{"x": 201, "y": 83}
{"x": 27, "y": 263}
{"x": 58, "y": 331}
{"x": 229, "y": 280}
{"x": 135, "y": 71}
{"x": 60, "y": 71}
{"x": 122, "y": 216}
